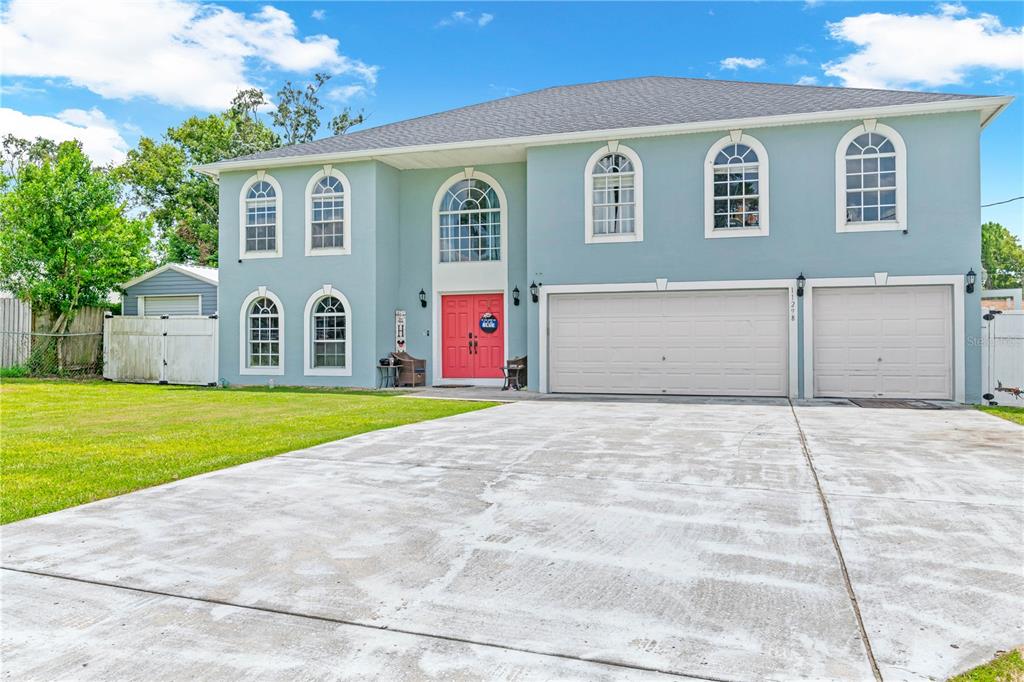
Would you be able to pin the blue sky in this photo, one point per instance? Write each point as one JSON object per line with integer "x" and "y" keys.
{"x": 108, "y": 72}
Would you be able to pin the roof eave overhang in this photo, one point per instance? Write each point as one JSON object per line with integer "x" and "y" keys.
{"x": 988, "y": 107}
{"x": 164, "y": 268}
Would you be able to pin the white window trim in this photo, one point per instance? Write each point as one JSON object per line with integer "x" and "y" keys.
{"x": 243, "y": 339}
{"x": 664, "y": 285}
{"x": 307, "y": 316}
{"x": 346, "y": 247}
{"x": 638, "y": 196}
{"x": 709, "y": 190}
{"x": 468, "y": 277}
{"x": 884, "y": 279}
{"x": 278, "y": 231}
{"x": 141, "y": 303}
{"x": 468, "y": 173}
{"x": 900, "y": 223}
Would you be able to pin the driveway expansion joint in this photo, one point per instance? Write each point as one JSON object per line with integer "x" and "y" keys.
{"x": 865, "y": 640}
{"x": 370, "y": 626}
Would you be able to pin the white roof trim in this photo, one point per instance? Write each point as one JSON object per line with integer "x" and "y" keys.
{"x": 176, "y": 268}
{"x": 990, "y": 107}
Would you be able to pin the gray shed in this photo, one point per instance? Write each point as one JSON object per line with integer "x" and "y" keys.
{"x": 172, "y": 289}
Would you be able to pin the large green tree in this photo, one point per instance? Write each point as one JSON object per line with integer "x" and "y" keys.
{"x": 1002, "y": 256}
{"x": 183, "y": 203}
{"x": 65, "y": 240}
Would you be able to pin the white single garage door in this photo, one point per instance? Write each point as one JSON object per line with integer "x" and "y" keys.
{"x": 678, "y": 342}
{"x": 883, "y": 342}
{"x": 151, "y": 306}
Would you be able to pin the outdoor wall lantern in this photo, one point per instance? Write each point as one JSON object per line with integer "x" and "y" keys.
{"x": 800, "y": 282}
{"x": 534, "y": 290}
{"x": 515, "y": 296}
{"x": 971, "y": 278}
{"x": 423, "y": 299}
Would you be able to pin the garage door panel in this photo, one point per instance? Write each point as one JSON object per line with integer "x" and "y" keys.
{"x": 893, "y": 342}
{"x": 699, "y": 343}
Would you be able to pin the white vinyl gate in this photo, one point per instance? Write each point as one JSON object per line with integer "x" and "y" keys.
{"x": 1002, "y": 357}
{"x": 166, "y": 350}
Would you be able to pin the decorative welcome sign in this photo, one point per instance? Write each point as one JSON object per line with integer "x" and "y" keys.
{"x": 488, "y": 323}
{"x": 400, "y": 330}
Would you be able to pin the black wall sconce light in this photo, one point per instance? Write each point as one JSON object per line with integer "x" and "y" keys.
{"x": 971, "y": 278}
{"x": 800, "y": 282}
{"x": 423, "y": 299}
{"x": 515, "y": 296}
{"x": 534, "y": 291}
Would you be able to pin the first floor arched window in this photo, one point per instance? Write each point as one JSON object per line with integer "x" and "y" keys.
{"x": 328, "y": 334}
{"x": 264, "y": 334}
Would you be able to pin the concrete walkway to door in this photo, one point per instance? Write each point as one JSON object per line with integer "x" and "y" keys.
{"x": 548, "y": 539}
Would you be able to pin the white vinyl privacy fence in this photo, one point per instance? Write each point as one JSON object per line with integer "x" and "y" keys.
{"x": 1002, "y": 357}
{"x": 164, "y": 350}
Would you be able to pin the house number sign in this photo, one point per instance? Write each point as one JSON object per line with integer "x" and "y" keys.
{"x": 488, "y": 323}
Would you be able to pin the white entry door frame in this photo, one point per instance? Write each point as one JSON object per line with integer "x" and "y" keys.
{"x": 660, "y": 284}
{"x": 883, "y": 279}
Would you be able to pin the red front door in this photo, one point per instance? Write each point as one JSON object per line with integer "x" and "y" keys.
{"x": 472, "y": 336}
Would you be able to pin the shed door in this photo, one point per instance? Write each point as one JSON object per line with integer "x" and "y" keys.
{"x": 884, "y": 342}
{"x": 677, "y": 342}
{"x": 152, "y": 306}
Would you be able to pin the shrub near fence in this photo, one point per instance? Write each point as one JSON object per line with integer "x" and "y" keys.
{"x": 76, "y": 352}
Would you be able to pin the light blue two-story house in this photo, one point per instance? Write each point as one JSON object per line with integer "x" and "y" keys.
{"x": 649, "y": 235}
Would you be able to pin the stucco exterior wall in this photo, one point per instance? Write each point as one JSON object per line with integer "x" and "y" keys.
{"x": 391, "y": 224}
{"x": 943, "y": 216}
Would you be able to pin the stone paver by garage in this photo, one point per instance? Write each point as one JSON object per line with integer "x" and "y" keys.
{"x": 543, "y": 539}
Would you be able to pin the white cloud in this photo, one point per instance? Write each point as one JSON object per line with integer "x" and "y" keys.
{"x": 464, "y": 18}
{"x": 734, "y": 63}
{"x": 19, "y": 88}
{"x": 318, "y": 14}
{"x": 795, "y": 60}
{"x": 179, "y": 52}
{"x": 807, "y": 80}
{"x": 345, "y": 93}
{"x": 924, "y": 50}
{"x": 97, "y": 133}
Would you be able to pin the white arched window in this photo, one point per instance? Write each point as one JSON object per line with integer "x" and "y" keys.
{"x": 328, "y": 214}
{"x": 736, "y": 188}
{"x": 614, "y": 195}
{"x": 871, "y": 180}
{"x": 328, "y": 334}
{"x": 262, "y": 334}
{"x": 260, "y": 218}
{"x": 469, "y": 222}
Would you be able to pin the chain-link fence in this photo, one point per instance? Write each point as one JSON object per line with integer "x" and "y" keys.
{"x": 29, "y": 354}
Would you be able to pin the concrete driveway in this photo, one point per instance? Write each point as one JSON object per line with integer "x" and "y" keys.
{"x": 583, "y": 540}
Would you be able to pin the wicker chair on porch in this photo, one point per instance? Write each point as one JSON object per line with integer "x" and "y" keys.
{"x": 411, "y": 371}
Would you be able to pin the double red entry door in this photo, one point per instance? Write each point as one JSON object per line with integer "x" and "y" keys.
{"x": 472, "y": 336}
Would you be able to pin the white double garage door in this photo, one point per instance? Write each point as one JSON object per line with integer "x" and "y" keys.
{"x": 891, "y": 342}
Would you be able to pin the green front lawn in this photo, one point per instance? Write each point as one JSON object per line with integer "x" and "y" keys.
{"x": 63, "y": 443}
{"x": 1013, "y": 414}
{"x": 1007, "y": 668}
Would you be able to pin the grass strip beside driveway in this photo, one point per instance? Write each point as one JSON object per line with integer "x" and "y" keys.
{"x": 64, "y": 443}
{"x": 1013, "y": 414}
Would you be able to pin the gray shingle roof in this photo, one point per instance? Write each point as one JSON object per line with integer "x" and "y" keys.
{"x": 607, "y": 105}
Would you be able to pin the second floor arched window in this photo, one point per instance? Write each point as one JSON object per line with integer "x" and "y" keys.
{"x": 614, "y": 195}
{"x": 469, "y": 222}
{"x": 736, "y": 188}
